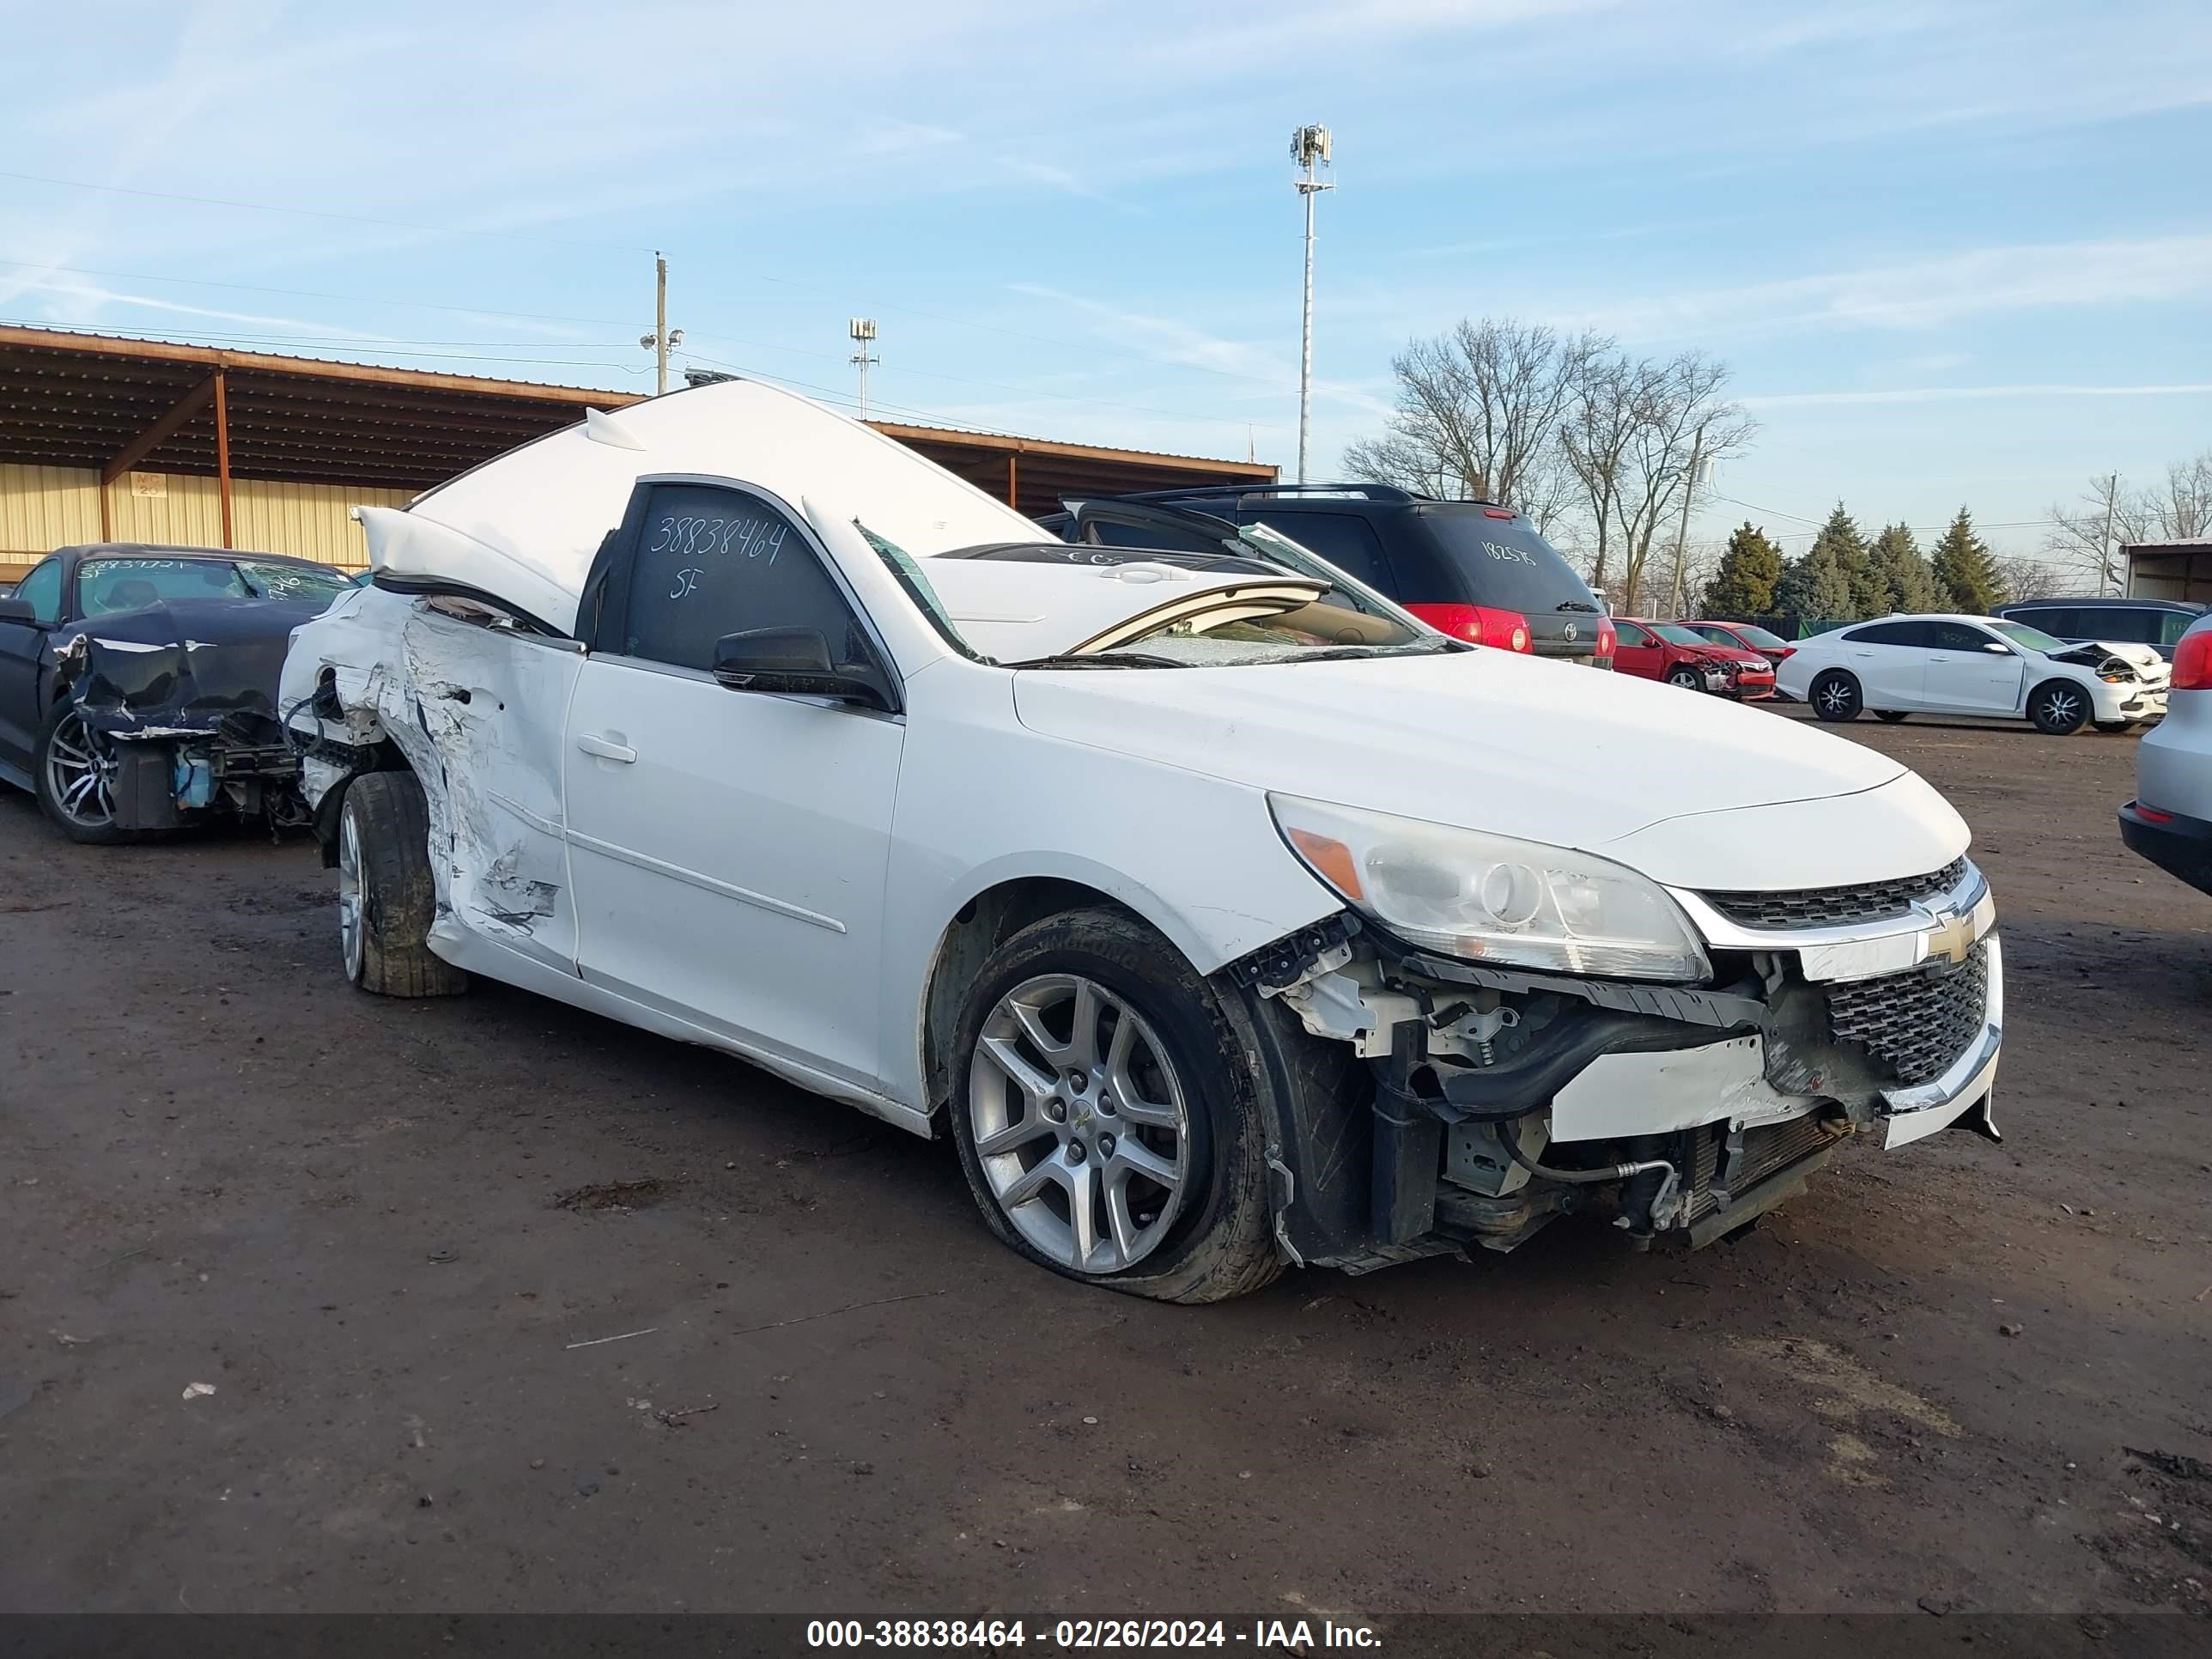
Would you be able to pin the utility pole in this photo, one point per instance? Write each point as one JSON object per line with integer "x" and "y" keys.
{"x": 1310, "y": 148}
{"x": 1691, "y": 480}
{"x": 2105, "y": 542}
{"x": 863, "y": 331}
{"x": 659, "y": 342}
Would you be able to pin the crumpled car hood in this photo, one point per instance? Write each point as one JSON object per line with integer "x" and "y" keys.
{"x": 1548, "y": 752}
{"x": 185, "y": 665}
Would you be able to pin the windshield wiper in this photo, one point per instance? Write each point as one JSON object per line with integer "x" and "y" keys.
{"x": 1101, "y": 659}
{"x": 1356, "y": 652}
{"x": 1575, "y": 605}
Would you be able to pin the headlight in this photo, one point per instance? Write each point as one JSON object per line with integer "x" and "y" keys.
{"x": 1490, "y": 898}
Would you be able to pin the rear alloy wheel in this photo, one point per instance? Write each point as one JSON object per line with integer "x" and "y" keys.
{"x": 2059, "y": 707}
{"x": 1102, "y": 1125}
{"x": 387, "y": 895}
{"x": 74, "y": 769}
{"x": 1688, "y": 678}
{"x": 1835, "y": 696}
{"x": 1893, "y": 715}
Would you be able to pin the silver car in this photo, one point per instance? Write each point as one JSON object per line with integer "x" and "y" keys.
{"x": 2170, "y": 820}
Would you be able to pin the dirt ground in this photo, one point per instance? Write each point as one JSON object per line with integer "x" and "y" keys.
{"x": 498, "y": 1306}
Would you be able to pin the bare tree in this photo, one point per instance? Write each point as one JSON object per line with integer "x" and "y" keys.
{"x": 2177, "y": 508}
{"x": 1670, "y": 418}
{"x": 2020, "y": 578}
{"x": 1478, "y": 415}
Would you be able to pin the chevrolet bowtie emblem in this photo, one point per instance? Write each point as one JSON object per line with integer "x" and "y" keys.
{"x": 1951, "y": 938}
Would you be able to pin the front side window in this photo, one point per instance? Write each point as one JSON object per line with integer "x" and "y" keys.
{"x": 1677, "y": 635}
{"x": 1628, "y": 634}
{"x": 42, "y": 591}
{"x": 711, "y": 562}
{"x": 1956, "y": 637}
{"x": 2172, "y": 625}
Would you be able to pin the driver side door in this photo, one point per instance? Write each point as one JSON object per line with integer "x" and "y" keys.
{"x": 728, "y": 847}
{"x": 23, "y": 664}
{"x": 1970, "y": 670}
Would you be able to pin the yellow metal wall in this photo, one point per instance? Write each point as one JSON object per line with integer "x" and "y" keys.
{"x": 43, "y": 507}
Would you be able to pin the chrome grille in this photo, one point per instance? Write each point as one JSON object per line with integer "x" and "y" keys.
{"x": 1919, "y": 1022}
{"x": 1836, "y": 906}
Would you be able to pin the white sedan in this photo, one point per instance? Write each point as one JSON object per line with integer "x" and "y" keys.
{"x": 1223, "y": 915}
{"x": 1957, "y": 665}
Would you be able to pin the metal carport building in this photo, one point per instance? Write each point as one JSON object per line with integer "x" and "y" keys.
{"x": 105, "y": 439}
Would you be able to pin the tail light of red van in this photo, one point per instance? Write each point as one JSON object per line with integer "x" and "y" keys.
{"x": 1478, "y": 624}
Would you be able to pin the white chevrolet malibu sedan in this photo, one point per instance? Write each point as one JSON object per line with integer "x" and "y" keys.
{"x": 1958, "y": 665}
{"x": 1223, "y": 917}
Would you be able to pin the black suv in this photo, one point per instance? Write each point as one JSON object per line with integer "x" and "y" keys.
{"x": 1472, "y": 569}
{"x": 2158, "y": 622}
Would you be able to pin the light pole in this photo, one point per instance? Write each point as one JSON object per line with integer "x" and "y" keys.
{"x": 659, "y": 341}
{"x": 863, "y": 331}
{"x": 1310, "y": 148}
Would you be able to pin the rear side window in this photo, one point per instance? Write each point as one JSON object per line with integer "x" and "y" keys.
{"x": 2123, "y": 624}
{"x": 1344, "y": 540}
{"x": 1896, "y": 633}
{"x": 711, "y": 562}
{"x": 1505, "y": 562}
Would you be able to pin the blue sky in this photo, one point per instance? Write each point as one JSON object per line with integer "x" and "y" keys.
{"x": 1955, "y": 253}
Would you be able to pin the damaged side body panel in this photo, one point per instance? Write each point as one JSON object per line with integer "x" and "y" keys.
{"x": 476, "y": 711}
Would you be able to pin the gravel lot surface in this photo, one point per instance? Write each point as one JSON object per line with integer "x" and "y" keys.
{"x": 311, "y": 1301}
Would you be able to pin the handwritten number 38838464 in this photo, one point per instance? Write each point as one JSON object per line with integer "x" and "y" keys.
{"x": 711, "y": 538}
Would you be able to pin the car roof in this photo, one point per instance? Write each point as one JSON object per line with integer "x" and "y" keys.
{"x": 163, "y": 550}
{"x": 2193, "y": 606}
{"x": 527, "y": 526}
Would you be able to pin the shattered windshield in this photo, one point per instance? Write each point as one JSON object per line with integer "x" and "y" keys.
{"x": 105, "y": 587}
{"x": 1313, "y": 630}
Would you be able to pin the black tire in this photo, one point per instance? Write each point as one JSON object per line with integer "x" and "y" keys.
{"x": 1220, "y": 1242}
{"x": 1688, "y": 678}
{"x": 1893, "y": 715}
{"x": 83, "y": 826}
{"x": 384, "y": 875}
{"x": 2059, "y": 707}
{"x": 1835, "y": 696}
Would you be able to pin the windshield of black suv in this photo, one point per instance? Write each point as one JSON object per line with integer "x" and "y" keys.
{"x": 1508, "y": 565}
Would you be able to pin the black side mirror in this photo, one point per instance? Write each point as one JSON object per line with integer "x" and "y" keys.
{"x": 19, "y": 610}
{"x": 794, "y": 660}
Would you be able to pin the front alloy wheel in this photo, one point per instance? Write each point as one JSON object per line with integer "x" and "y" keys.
{"x": 2058, "y": 709}
{"x": 75, "y": 769}
{"x": 1080, "y": 1123}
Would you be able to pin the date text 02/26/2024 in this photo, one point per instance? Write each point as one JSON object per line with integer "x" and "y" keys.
{"x": 990, "y": 1635}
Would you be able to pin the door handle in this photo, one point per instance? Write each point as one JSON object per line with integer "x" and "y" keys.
{"x": 607, "y": 750}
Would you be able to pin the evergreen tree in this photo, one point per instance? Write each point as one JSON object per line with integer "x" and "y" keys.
{"x": 1908, "y": 583}
{"x": 1965, "y": 573}
{"x": 1868, "y": 595}
{"x": 1814, "y": 589}
{"x": 1749, "y": 571}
